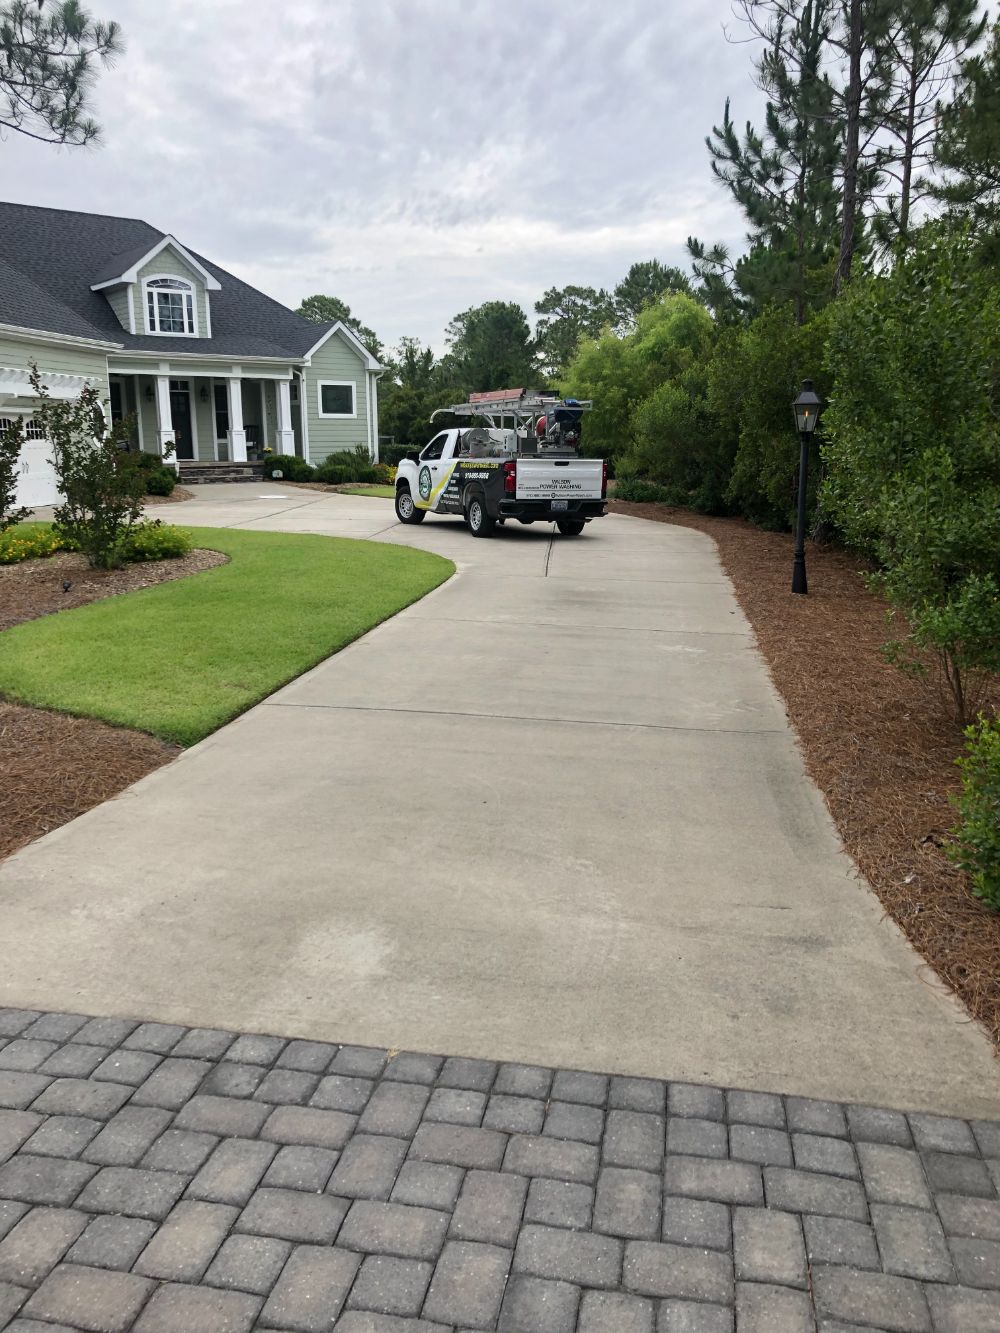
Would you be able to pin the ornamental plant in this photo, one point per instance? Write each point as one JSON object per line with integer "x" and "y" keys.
{"x": 100, "y": 480}
{"x": 977, "y": 848}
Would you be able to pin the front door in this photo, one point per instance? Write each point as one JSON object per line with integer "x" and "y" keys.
{"x": 180, "y": 418}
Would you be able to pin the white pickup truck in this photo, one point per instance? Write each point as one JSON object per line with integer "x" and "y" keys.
{"x": 488, "y": 475}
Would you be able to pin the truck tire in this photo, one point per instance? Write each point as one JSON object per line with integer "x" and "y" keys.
{"x": 406, "y": 510}
{"x": 570, "y": 527}
{"x": 481, "y": 524}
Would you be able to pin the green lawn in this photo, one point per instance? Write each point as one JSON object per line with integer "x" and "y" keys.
{"x": 382, "y": 492}
{"x": 180, "y": 659}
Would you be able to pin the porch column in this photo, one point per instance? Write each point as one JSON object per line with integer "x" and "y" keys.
{"x": 164, "y": 423}
{"x": 237, "y": 435}
{"x": 286, "y": 436}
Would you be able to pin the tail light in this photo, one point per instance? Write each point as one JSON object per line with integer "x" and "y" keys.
{"x": 604, "y": 478}
{"x": 510, "y": 477}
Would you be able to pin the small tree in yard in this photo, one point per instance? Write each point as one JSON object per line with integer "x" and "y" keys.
{"x": 11, "y": 439}
{"x": 100, "y": 480}
{"x": 913, "y": 459}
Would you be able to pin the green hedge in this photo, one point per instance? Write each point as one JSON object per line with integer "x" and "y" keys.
{"x": 291, "y": 467}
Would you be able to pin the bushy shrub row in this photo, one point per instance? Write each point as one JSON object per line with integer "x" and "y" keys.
{"x": 31, "y": 542}
{"x": 643, "y": 492}
{"x": 291, "y": 467}
{"x": 155, "y": 540}
{"x": 158, "y": 478}
{"x": 347, "y": 465}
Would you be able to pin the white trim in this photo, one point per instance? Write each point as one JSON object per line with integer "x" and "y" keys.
{"x": 352, "y": 338}
{"x": 45, "y": 336}
{"x": 237, "y": 432}
{"x": 208, "y": 355}
{"x": 189, "y": 291}
{"x": 263, "y": 416}
{"x": 337, "y": 416}
{"x": 137, "y": 387}
{"x": 132, "y": 274}
{"x": 15, "y": 382}
{"x": 208, "y": 315}
{"x": 304, "y": 415}
{"x": 131, "y": 307}
{"x": 376, "y": 374}
{"x": 164, "y": 421}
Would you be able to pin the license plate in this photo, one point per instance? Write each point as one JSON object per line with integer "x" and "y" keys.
{"x": 560, "y": 504}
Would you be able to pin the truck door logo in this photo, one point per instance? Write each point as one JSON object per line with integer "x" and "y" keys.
{"x": 424, "y": 483}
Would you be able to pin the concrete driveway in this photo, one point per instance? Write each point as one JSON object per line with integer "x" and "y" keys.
{"x": 553, "y": 813}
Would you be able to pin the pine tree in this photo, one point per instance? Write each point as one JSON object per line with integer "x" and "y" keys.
{"x": 47, "y": 56}
{"x": 923, "y": 48}
{"x": 967, "y": 151}
{"x": 783, "y": 177}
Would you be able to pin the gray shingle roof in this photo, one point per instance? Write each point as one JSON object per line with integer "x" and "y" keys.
{"x": 24, "y": 304}
{"x": 61, "y": 253}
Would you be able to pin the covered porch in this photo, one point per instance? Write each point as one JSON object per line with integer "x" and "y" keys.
{"x": 207, "y": 414}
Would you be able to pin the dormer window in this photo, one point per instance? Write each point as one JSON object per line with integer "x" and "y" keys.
{"x": 170, "y": 306}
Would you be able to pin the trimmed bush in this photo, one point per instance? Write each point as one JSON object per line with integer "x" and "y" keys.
{"x": 291, "y": 467}
{"x": 642, "y": 492}
{"x": 384, "y": 474}
{"x": 160, "y": 481}
{"x": 156, "y": 541}
{"x": 978, "y": 847}
{"x": 345, "y": 466}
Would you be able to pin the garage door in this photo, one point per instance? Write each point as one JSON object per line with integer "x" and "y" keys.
{"x": 36, "y": 477}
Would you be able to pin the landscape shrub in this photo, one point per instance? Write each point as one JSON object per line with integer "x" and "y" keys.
{"x": 11, "y": 439}
{"x": 642, "y": 492}
{"x": 291, "y": 467}
{"x": 160, "y": 481}
{"x": 393, "y": 454}
{"x": 978, "y": 847}
{"x": 31, "y": 543}
{"x": 384, "y": 474}
{"x": 913, "y": 455}
{"x": 101, "y": 482}
{"x": 155, "y": 540}
{"x": 346, "y": 466}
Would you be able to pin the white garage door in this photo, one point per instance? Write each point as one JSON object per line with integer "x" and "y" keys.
{"x": 36, "y": 482}
{"x": 36, "y": 477}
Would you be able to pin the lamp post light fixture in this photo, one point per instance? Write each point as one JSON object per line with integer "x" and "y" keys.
{"x": 806, "y": 408}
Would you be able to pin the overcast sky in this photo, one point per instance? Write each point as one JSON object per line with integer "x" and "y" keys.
{"x": 413, "y": 157}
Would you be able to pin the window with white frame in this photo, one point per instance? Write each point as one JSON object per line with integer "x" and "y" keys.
{"x": 336, "y": 398}
{"x": 170, "y": 306}
{"x": 33, "y": 430}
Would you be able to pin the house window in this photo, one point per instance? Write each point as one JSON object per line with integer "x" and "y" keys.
{"x": 336, "y": 398}
{"x": 32, "y": 429}
{"x": 170, "y": 306}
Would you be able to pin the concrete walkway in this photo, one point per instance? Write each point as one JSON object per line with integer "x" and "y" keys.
{"x": 551, "y": 814}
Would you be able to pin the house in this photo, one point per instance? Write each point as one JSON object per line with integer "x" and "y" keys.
{"x": 207, "y": 366}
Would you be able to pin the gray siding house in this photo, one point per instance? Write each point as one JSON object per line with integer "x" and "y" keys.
{"x": 210, "y": 368}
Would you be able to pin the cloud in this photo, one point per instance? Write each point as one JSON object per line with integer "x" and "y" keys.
{"x": 414, "y": 157}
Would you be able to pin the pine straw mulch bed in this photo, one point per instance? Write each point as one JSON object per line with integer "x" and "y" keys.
{"x": 83, "y": 762}
{"x": 880, "y": 746}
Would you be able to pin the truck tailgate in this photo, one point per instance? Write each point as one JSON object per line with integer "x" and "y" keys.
{"x": 560, "y": 478}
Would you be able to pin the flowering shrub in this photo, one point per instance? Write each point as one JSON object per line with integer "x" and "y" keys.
{"x": 384, "y": 474}
{"x": 31, "y": 543}
{"x": 156, "y": 541}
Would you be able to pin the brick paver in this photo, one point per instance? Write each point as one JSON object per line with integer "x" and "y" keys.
{"x": 156, "y": 1178}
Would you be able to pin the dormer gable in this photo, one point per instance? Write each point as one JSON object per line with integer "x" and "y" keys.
{"x": 162, "y": 291}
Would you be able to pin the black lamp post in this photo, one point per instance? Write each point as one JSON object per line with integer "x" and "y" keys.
{"x": 806, "y": 408}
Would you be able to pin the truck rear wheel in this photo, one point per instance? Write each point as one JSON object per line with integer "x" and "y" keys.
{"x": 406, "y": 510}
{"x": 481, "y": 524}
{"x": 570, "y": 527}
